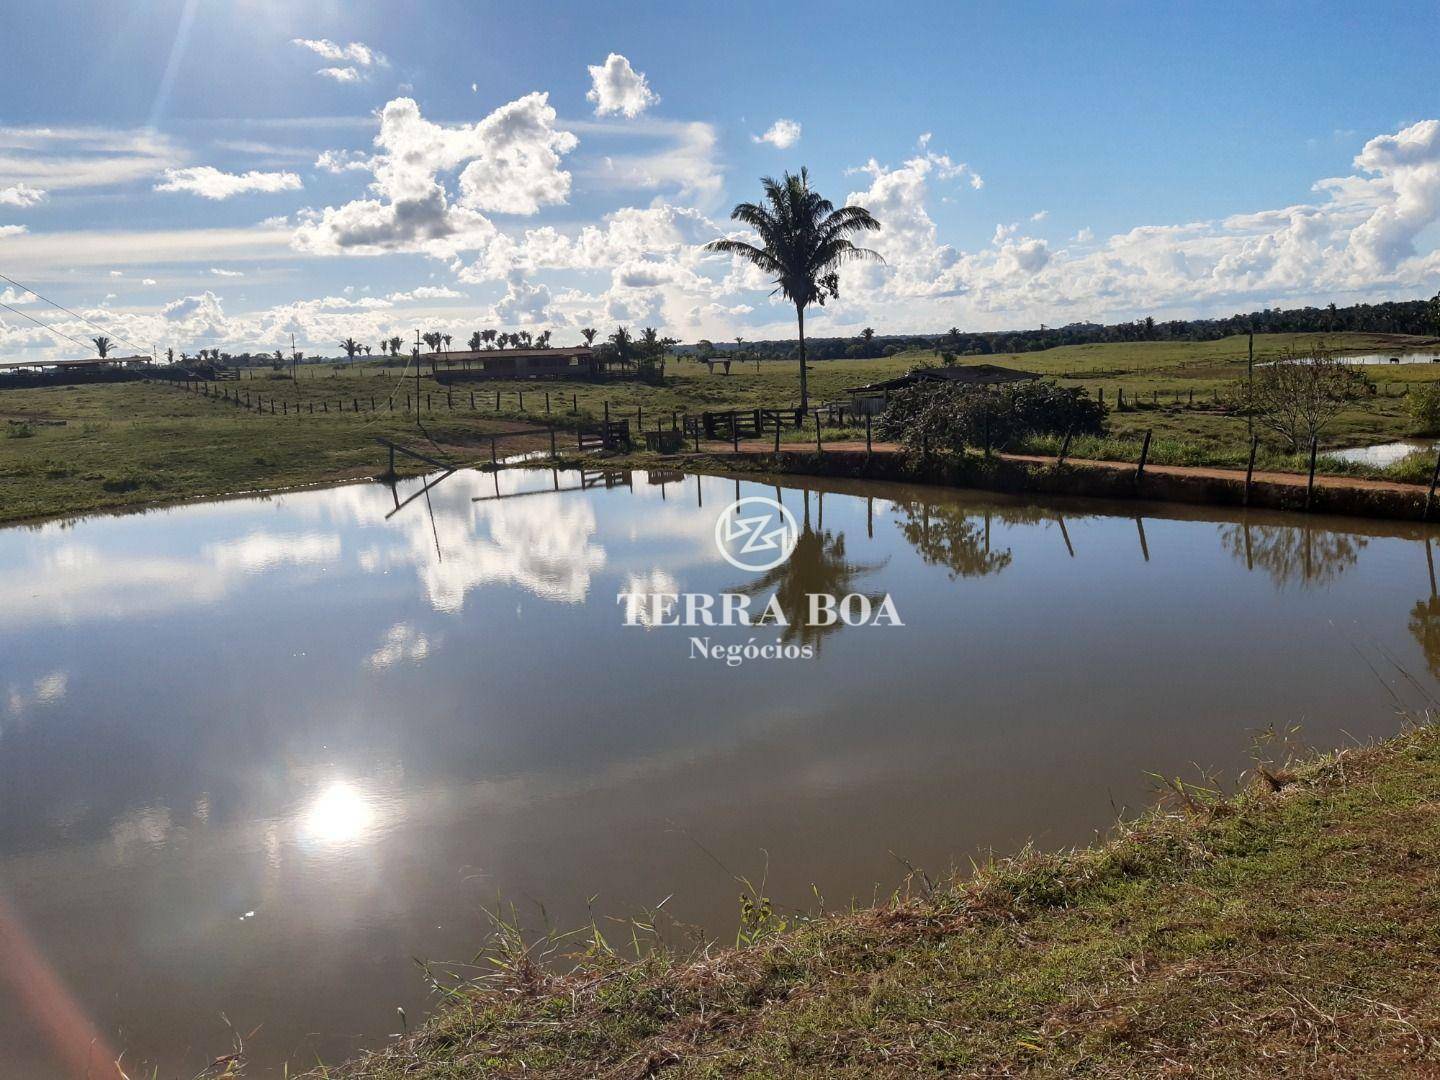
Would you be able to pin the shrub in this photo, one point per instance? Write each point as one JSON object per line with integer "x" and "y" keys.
{"x": 952, "y": 416}
{"x": 1423, "y": 404}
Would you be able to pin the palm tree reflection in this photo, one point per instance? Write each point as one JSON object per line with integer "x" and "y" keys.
{"x": 819, "y": 564}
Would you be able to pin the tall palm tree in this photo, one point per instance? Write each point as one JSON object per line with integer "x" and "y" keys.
{"x": 395, "y": 343}
{"x": 446, "y": 339}
{"x": 488, "y": 336}
{"x": 589, "y": 335}
{"x": 351, "y": 347}
{"x": 474, "y": 341}
{"x": 803, "y": 242}
{"x": 103, "y": 345}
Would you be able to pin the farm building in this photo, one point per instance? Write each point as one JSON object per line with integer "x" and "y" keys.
{"x": 47, "y": 372}
{"x": 477, "y": 365}
{"x": 870, "y": 400}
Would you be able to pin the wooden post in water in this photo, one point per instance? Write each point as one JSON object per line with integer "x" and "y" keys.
{"x": 1144, "y": 453}
{"x": 1310, "y": 483}
{"x": 1430, "y": 495}
{"x": 1250, "y": 469}
{"x": 493, "y": 460}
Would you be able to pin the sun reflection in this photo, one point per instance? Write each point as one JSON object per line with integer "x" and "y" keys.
{"x": 340, "y": 814}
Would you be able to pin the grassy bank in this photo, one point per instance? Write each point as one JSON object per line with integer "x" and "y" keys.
{"x": 70, "y": 449}
{"x": 1290, "y": 929}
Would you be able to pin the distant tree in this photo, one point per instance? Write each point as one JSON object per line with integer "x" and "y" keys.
{"x": 804, "y": 240}
{"x": 474, "y": 341}
{"x": 395, "y": 343}
{"x": 867, "y": 335}
{"x": 543, "y": 340}
{"x": 523, "y": 337}
{"x": 103, "y": 345}
{"x": 351, "y": 347}
{"x": 488, "y": 336}
{"x": 170, "y": 356}
{"x": 588, "y": 333}
{"x": 446, "y": 339}
{"x": 1434, "y": 311}
{"x": 432, "y": 339}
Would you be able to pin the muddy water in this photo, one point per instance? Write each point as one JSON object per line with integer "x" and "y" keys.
{"x": 256, "y": 756}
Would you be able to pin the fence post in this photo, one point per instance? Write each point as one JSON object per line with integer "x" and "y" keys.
{"x": 493, "y": 460}
{"x": 472, "y": 400}
{"x": 1250, "y": 469}
{"x": 1144, "y": 453}
{"x": 1310, "y": 483}
{"x": 521, "y": 393}
{"x": 1064, "y": 447}
{"x": 777, "y": 435}
{"x": 552, "y": 442}
{"x": 867, "y": 434}
{"x": 547, "y": 402}
{"x": 734, "y": 432}
{"x": 819, "y": 449}
{"x": 574, "y": 404}
{"x": 1430, "y": 495}
{"x": 639, "y": 417}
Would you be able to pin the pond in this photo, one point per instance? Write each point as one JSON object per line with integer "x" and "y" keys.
{"x": 257, "y": 756}
{"x": 1382, "y": 454}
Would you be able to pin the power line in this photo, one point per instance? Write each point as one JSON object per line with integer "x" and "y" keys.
{"x": 74, "y": 314}
{"x": 46, "y": 326}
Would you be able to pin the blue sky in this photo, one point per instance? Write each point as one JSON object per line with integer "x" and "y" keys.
{"x": 201, "y": 175}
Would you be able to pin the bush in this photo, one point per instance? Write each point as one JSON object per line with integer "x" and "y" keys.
{"x": 1423, "y": 404}
{"x": 952, "y": 416}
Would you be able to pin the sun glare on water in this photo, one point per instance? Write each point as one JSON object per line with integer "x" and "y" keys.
{"x": 339, "y": 814}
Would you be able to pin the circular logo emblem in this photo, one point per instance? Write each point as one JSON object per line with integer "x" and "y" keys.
{"x": 756, "y": 533}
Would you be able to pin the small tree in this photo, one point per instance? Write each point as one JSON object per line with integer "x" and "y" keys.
{"x": 103, "y": 345}
{"x": 1299, "y": 394}
{"x": 1423, "y": 404}
{"x": 589, "y": 335}
{"x": 351, "y": 347}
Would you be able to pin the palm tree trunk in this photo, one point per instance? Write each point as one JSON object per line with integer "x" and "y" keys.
{"x": 804, "y": 388}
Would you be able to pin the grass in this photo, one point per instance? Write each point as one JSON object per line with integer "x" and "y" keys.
{"x": 72, "y": 449}
{"x": 1288, "y": 929}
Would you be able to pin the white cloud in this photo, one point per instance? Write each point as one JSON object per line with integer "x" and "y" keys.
{"x": 782, "y": 134}
{"x": 356, "y": 52}
{"x": 351, "y": 63}
{"x": 509, "y": 162}
{"x": 685, "y": 163}
{"x": 1040, "y": 215}
{"x": 218, "y": 272}
{"x": 426, "y": 292}
{"x": 523, "y": 304}
{"x": 617, "y": 88}
{"x": 343, "y": 161}
{"x": 55, "y": 159}
{"x": 21, "y": 195}
{"x": 210, "y": 183}
{"x": 13, "y": 230}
